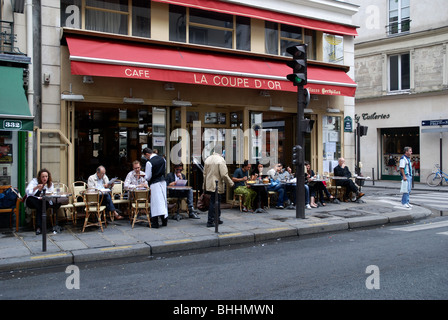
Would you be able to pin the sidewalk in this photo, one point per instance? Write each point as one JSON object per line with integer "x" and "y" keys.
{"x": 23, "y": 249}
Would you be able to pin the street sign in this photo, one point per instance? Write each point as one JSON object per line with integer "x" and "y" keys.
{"x": 439, "y": 122}
{"x": 11, "y": 125}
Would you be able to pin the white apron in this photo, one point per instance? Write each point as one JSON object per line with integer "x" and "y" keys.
{"x": 159, "y": 205}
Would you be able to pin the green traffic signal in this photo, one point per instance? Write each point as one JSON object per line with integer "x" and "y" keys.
{"x": 298, "y": 64}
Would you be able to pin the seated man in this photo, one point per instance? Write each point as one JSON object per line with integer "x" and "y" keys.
{"x": 341, "y": 170}
{"x": 240, "y": 176}
{"x": 276, "y": 175}
{"x": 100, "y": 181}
{"x": 171, "y": 180}
{"x": 135, "y": 178}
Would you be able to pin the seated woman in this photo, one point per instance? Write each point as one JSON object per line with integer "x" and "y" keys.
{"x": 316, "y": 186}
{"x": 37, "y": 186}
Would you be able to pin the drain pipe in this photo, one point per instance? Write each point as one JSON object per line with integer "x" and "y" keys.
{"x": 30, "y": 53}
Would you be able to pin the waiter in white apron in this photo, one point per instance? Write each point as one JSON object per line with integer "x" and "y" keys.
{"x": 155, "y": 175}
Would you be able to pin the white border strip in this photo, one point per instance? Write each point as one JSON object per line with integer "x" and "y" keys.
{"x": 201, "y": 70}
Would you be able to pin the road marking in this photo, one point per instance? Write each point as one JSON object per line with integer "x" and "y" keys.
{"x": 178, "y": 241}
{"x": 115, "y": 248}
{"x": 423, "y": 226}
{"x": 278, "y": 229}
{"x": 444, "y": 233}
{"x": 229, "y": 235}
{"x": 49, "y": 256}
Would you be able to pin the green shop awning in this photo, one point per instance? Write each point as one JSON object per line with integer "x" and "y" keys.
{"x": 14, "y": 111}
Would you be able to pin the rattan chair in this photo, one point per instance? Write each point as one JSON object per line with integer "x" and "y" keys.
{"x": 92, "y": 200}
{"x": 140, "y": 204}
{"x": 118, "y": 196}
{"x": 78, "y": 188}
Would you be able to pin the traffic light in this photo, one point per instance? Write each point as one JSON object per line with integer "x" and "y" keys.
{"x": 363, "y": 131}
{"x": 297, "y": 155}
{"x": 298, "y": 65}
{"x": 307, "y": 125}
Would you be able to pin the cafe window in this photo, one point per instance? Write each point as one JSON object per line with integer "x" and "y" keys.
{"x": 215, "y": 29}
{"x": 331, "y": 139}
{"x": 114, "y": 137}
{"x": 278, "y": 37}
{"x": 399, "y": 72}
{"x": 108, "y": 16}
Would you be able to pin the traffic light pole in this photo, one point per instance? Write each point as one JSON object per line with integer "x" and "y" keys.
{"x": 300, "y": 140}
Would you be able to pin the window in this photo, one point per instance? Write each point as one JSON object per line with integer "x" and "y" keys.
{"x": 111, "y": 16}
{"x": 399, "y": 13}
{"x": 209, "y": 28}
{"x": 115, "y": 16}
{"x": 399, "y": 72}
{"x": 278, "y": 37}
{"x": 333, "y": 47}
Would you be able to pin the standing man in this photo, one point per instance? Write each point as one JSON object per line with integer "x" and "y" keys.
{"x": 215, "y": 168}
{"x": 406, "y": 175}
{"x": 155, "y": 175}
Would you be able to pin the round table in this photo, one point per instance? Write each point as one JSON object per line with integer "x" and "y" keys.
{"x": 256, "y": 186}
{"x": 179, "y": 197}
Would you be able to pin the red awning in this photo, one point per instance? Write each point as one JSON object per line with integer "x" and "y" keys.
{"x": 105, "y": 58}
{"x": 253, "y": 12}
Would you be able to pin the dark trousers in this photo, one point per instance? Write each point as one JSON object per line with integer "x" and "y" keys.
{"x": 35, "y": 203}
{"x": 349, "y": 185}
{"x": 211, "y": 208}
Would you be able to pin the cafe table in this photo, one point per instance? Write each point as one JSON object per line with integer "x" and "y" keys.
{"x": 54, "y": 198}
{"x": 179, "y": 195}
{"x": 257, "y": 187}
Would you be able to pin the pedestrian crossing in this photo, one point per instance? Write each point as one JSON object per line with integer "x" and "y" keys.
{"x": 425, "y": 226}
{"x": 434, "y": 200}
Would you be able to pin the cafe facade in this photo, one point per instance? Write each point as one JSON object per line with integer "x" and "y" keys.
{"x": 188, "y": 78}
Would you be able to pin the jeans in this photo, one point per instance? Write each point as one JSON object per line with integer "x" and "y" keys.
{"x": 282, "y": 197}
{"x": 405, "y": 196}
{"x": 183, "y": 193}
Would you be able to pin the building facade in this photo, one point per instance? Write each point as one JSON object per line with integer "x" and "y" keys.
{"x": 401, "y": 69}
{"x": 188, "y": 77}
{"x": 16, "y": 119}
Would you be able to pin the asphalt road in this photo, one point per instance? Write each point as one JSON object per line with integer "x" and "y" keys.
{"x": 378, "y": 263}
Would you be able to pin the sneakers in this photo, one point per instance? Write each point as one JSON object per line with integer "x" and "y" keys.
{"x": 279, "y": 207}
{"x": 406, "y": 206}
{"x": 308, "y": 207}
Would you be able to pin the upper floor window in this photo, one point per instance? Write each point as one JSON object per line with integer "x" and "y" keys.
{"x": 108, "y": 16}
{"x": 399, "y": 72}
{"x": 333, "y": 47}
{"x": 399, "y": 14}
{"x": 278, "y": 37}
{"x": 209, "y": 28}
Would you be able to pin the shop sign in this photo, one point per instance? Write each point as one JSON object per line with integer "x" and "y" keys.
{"x": 439, "y": 122}
{"x": 11, "y": 125}
{"x": 348, "y": 124}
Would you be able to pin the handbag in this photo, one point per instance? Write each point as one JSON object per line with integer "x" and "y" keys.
{"x": 204, "y": 202}
{"x": 404, "y": 186}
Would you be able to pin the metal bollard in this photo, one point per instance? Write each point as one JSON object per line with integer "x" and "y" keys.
{"x": 373, "y": 176}
{"x": 44, "y": 222}
{"x": 216, "y": 207}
